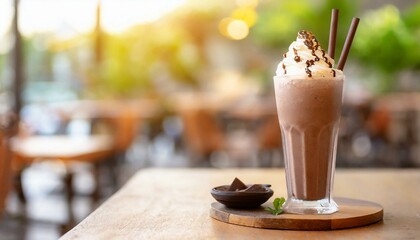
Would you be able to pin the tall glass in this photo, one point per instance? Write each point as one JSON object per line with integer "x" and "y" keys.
{"x": 309, "y": 114}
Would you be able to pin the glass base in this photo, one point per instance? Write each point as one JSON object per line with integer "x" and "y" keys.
{"x": 322, "y": 206}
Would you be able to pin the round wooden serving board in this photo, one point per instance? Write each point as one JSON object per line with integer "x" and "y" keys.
{"x": 352, "y": 213}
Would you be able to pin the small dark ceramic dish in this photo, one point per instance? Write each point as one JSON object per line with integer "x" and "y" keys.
{"x": 242, "y": 199}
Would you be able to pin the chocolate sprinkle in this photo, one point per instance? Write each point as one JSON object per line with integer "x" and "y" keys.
{"x": 316, "y": 57}
{"x": 308, "y": 72}
{"x": 312, "y": 44}
{"x": 323, "y": 55}
{"x": 309, "y": 44}
{"x": 329, "y": 64}
{"x": 317, "y": 45}
{"x": 297, "y": 57}
{"x": 308, "y": 64}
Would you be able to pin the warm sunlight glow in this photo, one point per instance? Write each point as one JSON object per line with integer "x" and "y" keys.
{"x": 68, "y": 18}
{"x": 6, "y": 12}
{"x": 237, "y": 29}
{"x": 233, "y": 28}
{"x": 223, "y": 25}
{"x": 118, "y": 16}
{"x": 64, "y": 18}
{"x": 247, "y": 3}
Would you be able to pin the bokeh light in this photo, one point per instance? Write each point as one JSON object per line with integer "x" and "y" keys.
{"x": 246, "y": 14}
{"x": 223, "y": 25}
{"x": 233, "y": 28}
{"x": 237, "y": 29}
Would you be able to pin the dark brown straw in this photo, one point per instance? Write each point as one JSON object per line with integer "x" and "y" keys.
{"x": 347, "y": 44}
{"x": 333, "y": 33}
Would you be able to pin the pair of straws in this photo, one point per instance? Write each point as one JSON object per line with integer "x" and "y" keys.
{"x": 347, "y": 43}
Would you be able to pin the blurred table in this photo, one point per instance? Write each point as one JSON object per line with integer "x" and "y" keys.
{"x": 62, "y": 147}
{"x": 174, "y": 204}
{"x": 142, "y": 108}
{"x": 65, "y": 149}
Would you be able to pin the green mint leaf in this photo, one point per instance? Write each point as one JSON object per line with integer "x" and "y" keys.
{"x": 281, "y": 202}
{"x": 276, "y": 203}
{"x": 272, "y": 211}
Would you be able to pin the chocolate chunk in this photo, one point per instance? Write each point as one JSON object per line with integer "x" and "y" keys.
{"x": 255, "y": 188}
{"x": 237, "y": 185}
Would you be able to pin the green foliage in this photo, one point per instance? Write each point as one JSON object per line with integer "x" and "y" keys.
{"x": 386, "y": 42}
{"x": 279, "y": 21}
{"x": 135, "y": 59}
{"x": 2, "y": 62}
{"x": 411, "y": 19}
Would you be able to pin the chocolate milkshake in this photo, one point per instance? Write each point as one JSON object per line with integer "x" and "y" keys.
{"x": 308, "y": 96}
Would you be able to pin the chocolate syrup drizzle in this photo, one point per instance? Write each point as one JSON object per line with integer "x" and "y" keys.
{"x": 312, "y": 43}
{"x": 297, "y": 57}
{"x": 326, "y": 59}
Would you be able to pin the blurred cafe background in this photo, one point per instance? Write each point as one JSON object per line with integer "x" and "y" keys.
{"x": 92, "y": 91}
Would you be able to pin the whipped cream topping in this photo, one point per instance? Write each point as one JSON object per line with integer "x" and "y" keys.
{"x": 306, "y": 59}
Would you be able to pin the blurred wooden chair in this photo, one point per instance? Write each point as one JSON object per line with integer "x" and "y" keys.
{"x": 8, "y": 124}
{"x": 125, "y": 122}
{"x": 4, "y": 170}
{"x": 126, "y": 126}
{"x": 202, "y": 133}
{"x": 269, "y": 140}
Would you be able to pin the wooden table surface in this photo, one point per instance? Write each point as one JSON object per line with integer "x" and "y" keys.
{"x": 175, "y": 203}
